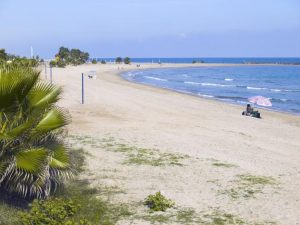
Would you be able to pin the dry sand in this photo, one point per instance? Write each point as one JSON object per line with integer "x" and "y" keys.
{"x": 210, "y": 133}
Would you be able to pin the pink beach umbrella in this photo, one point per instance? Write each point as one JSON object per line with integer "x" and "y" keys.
{"x": 260, "y": 100}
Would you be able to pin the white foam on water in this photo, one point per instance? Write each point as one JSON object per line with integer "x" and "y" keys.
{"x": 256, "y": 88}
{"x": 193, "y": 83}
{"x": 228, "y": 79}
{"x": 276, "y": 90}
{"x": 216, "y": 85}
{"x": 155, "y": 78}
{"x": 206, "y": 96}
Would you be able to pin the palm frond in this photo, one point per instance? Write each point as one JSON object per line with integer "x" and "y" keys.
{"x": 15, "y": 83}
{"x": 54, "y": 119}
{"x": 59, "y": 158}
{"x": 44, "y": 95}
{"x": 32, "y": 160}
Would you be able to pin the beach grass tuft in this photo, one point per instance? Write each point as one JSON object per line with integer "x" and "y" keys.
{"x": 134, "y": 155}
{"x": 248, "y": 186}
{"x": 224, "y": 165}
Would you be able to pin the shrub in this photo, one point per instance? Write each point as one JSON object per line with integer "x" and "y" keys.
{"x": 158, "y": 202}
{"x": 119, "y": 60}
{"x": 103, "y": 61}
{"x": 61, "y": 64}
{"x": 127, "y": 60}
{"x": 94, "y": 61}
{"x": 52, "y": 212}
{"x": 3, "y": 55}
{"x": 53, "y": 63}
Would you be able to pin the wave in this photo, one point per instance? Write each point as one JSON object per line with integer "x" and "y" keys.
{"x": 205, "y": 96}
{"x": 193, "y": 83}
{"x": 256, "y": 88}
{"x": 228, "y": 79}
{"x": 208, "y": 84}
{"x": 270, "y": 89}
{"x": 276, "y": 90}
{"x": 217, "y": 85}
{"x": 155, "y": 78}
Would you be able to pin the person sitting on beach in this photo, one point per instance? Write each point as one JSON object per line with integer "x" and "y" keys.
{"x": 250, "y": 112}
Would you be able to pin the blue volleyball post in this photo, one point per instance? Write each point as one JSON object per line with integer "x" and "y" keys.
{"x": 50, "y": 74}
{"x": 82, "y": 88}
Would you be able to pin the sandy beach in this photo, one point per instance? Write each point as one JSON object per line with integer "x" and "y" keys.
{"x": 210, "y": 158}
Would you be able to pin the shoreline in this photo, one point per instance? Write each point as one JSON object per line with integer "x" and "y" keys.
{"x": 179, "y": 65}
{"x": 202, "y": 97}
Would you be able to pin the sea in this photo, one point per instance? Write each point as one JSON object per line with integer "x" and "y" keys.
{"x": 210, "y": 60}
{"x": 232, "y": 84}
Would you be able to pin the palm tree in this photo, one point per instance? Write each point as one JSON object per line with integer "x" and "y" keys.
{"x": 33, "y": 158}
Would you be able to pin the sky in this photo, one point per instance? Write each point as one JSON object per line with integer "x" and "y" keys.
{"x": 152, "y": 28}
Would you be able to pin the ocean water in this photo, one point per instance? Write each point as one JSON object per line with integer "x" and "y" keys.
{"x": 280, "y": 83}
{"x": 211, "y": 60}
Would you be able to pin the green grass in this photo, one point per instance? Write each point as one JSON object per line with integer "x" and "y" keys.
{"x": 156, "y": 218}
{"x": 134, "y": 155}
{"x": 256, "y": 180}
{"x": 221, "y": 218}
{"x": 93, "y": 207}
{"x": 188, "y": 216}
{"x": 144, "y": 156}
{"x": 8, "y": 213}
{"x": 224, "y": 165}
{"x": 248, "y": 186}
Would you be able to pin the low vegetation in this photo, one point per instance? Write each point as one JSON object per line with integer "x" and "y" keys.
{"x": 248, "y": 186}
{"x": 127, "y": 60}
{"x": 6, "y": 58}
{"x": 75, "y": 203}
{"x": 224, "y": 165}
{"x": 119, "y": 60}
{"x": 158, "y": 202}
{"x": 134, "y": 155}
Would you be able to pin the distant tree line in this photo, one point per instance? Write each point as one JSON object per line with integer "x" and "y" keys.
{"x": 17, "y": 60}
{"x": 67, "y": 56}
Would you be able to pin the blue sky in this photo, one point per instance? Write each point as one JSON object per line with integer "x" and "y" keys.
{"x": 152, "y": 28}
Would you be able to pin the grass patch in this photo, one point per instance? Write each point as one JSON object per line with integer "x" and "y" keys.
{"x": 188, "y": 216}
{"x": 248, "y": 186}
{"x": 256, "y": 180}
{"x": 222, "y": 218}
{"x": 145, "y": 156}
{"x": 8, "y": 213}
{"x": 134, "y": 155}
{"x": 92, "y": 206}
{"x": 75, "y": 202}
{"x": 156, "y": 218}
{"x": 224, "y": 165}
